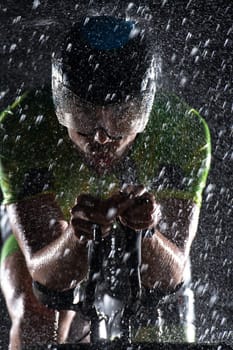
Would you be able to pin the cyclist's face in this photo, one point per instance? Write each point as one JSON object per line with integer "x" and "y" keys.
{"x": 102, "y": 147}
{"x": 102, "y": 133}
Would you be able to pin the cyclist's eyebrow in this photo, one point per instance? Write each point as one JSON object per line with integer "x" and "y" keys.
{"x": 93, "y": 133}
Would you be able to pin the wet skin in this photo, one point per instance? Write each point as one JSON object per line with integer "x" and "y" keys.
{"x": 60, "y": 248}
{"x": 100, "y": 149}
{"x": 107, "y": 138}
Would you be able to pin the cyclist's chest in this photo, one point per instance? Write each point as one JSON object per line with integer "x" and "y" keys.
{"x": 68, "y": 173}
{"x": 72, "y": 177}
{"x": 58, "y": 167}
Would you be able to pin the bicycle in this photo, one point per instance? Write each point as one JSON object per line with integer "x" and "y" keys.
{"x": 92, "y": 297}
{"x": 110, "y": 327}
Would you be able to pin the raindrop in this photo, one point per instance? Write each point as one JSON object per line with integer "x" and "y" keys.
{"x": 207, "y": 43}
{"x": 130, "y": 6}
{"x": 111, "y": 186}
{"x": 229, "y": 31}
{"x": 90, "y": 57}
{"x": 194, "y": 51}
{"x": 96, "y": 276}
{"x": 144, "y": 268}
{"x": 189, "y": 36}
{"x": 66, "y": 252}
{"x": 12, "y": 48}
{"x": 2, "y": 94}
{"x": 210, "y": 188}
{"x": 164, "y": 3}
{"x": 213, "y": 300}
{"x": 22, "y": 118}
{"x": 42, "y": 38}
{"x": 163, "y": 226}
{"x": 111, "y": 213}
{"x": 183, "y": 81}
{"x": 205, "y": 53}
{"x": 52, "y": 222}
{"x": 173, "y": 58}
{"x": 69, "y": 47}
{"x": 16, "y": 19}
{"x": 126, "y": 257}
{"x": 134, "y": 32}
{"x": 168, "y": 25}
{"x": 60, "y": 141}
{"x": 35, "y": 4}
{"x": 226, "y": 42}
{"x": 39, "y": 119}
{"x": 96, "y": 66}
{"x": 196, "y": 60}
{"x": 213, "y": 54}
{"x": 86, "y": 20}
{"x": 188, "y": 4}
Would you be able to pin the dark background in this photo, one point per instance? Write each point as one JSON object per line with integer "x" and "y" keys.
{"x": 195, "y": 41}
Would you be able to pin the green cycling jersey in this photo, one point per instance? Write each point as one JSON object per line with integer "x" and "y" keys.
{"x": 171, "y": 158}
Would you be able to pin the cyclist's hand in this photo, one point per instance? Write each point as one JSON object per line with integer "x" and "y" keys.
{"x": 143, "y": 213}
{"x": 90, "y": 210}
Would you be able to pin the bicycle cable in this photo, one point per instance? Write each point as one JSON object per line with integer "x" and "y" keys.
{"x": 88, "y": 332}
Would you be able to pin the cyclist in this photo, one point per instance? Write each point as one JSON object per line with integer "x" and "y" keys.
{"x": 131, "y": 156}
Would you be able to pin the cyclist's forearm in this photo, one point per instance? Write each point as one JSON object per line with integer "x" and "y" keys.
{"x": 61, "y": 264}
{"x": 58, "y": 264}
{"x": 165, "y": 254}
{"x": 52, "y": 252}
{"x": 163, "y": 262}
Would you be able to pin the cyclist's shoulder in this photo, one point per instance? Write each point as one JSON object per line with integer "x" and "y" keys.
{"x": 174, "y": 137}
{"x": 173, "y": 122}
{"x": 28, "y": 121}
{"x": 31, "y": 111}
{"x": 28, "y": 104}
{"x": 172, "y": 111}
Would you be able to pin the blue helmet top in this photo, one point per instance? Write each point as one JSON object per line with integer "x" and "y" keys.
{"x": 106, "y": 33}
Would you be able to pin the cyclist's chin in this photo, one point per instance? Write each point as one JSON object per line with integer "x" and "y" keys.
{"x": 102, "y": 162}
{"x": 104, "y": 157}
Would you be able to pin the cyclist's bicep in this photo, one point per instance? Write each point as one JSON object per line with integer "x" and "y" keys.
{"x": 179, "y": 220}
{"x": 36, "y": 221}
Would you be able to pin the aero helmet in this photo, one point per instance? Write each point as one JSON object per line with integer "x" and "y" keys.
{"x": 103, "y": 61}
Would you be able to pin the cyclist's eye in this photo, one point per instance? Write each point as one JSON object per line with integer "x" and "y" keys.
{"x": 117, "y": 137}
{"x": 90, "y": 134}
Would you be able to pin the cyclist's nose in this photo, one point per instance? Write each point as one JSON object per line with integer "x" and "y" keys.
{"x": 101, "y": 136}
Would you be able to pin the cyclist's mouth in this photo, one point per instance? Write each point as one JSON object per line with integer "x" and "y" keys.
{"x": 102, "y": 159}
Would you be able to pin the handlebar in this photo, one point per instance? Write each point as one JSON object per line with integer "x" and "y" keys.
{"x": 83, "y": 297}
{"x": 119, "y": 345}
{"x": 87, "y": 291}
